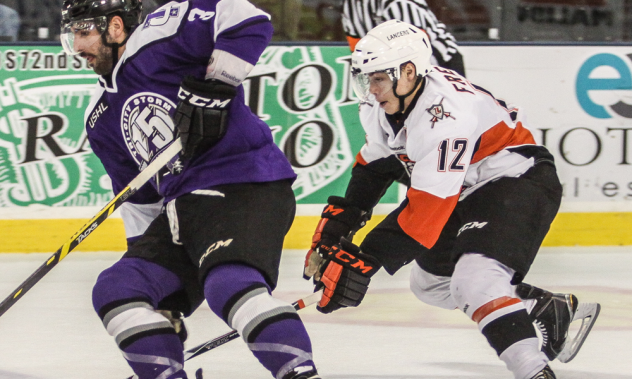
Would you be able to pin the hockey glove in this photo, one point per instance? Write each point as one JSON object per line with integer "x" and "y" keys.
{"x": 339, "y": 219}
{"x": 346, "y": 274}
{"x": 201, "y": 114}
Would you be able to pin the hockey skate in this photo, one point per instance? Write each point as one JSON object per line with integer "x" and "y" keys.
{"x": 553, "y": 314}
{"x": 198, "y": 375}
{"x": 546, "y": 373}
{"x": 302, "y": 373}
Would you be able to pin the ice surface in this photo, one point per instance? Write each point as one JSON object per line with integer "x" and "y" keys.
{"x": 53, "y": 333}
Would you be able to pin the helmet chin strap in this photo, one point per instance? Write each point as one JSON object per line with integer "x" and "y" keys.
{"x": 403, "y": 97}
{"x": 115, "y": 47}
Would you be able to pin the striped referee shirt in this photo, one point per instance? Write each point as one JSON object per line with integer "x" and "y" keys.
{"x": 360, "y": 16}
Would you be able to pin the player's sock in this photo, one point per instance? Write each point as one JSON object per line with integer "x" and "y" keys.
{"x": 501, "y": 317}
{"x": 272, "y": 329}
{"x": 508, "y": 329}
{"x": 125, "y": 297}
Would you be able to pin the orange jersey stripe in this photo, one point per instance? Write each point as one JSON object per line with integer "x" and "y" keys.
{"x": 501, "y": 136}
{"x": 360, "y": 160}
{"x": 425, "y": 216}
{"x": 352, "y": 42}
{"x": 493, "y": 306}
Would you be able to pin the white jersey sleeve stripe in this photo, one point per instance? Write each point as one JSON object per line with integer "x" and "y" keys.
{"x": 230, "y": 13}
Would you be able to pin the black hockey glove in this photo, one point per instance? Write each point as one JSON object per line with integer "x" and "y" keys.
{"x": 339, "y": 219}
{"x": 201, "y": 115}
{"x": 346, "y": 274}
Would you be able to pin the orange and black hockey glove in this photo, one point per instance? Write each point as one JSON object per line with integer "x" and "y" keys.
{"x": 339, "y": 219}
{"x": 345, "y": 277}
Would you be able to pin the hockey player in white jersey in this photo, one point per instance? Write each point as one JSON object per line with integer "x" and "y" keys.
{"x": 482, "y": 197}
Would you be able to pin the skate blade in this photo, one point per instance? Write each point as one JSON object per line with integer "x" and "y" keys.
{"x": 587, "y": 313}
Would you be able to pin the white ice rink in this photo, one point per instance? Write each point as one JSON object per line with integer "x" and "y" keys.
{"x": 53, "y": 333}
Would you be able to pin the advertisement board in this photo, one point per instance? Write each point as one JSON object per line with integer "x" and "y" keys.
{"x": 301, "y": 92}
{"x": 578, "y": 101}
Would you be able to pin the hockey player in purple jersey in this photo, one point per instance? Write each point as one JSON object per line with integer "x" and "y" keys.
{"x": 211, "y": 224}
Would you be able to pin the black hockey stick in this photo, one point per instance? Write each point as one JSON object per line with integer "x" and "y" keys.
{"x": 219, "y": 341}
{"x": 161, "y": 160}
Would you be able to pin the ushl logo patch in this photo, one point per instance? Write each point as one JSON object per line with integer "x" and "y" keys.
{"x": 438, "y": 113}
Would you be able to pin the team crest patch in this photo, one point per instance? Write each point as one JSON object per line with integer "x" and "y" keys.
{"x": 438, "y": 113}
{"x": 147, "y": 126}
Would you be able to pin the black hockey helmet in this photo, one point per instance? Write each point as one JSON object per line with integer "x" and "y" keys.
{"x": 76, "y": 10}
{"x": 80, "y": 17}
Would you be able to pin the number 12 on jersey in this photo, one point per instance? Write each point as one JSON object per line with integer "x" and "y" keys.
{"x": 454, "y": 150}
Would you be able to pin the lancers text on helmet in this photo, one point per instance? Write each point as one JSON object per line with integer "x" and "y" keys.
{"x": 398, "y": 34}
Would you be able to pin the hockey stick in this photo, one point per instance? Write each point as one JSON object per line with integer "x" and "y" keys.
{"x": 161, "y": 160}
{"x": 219, "y": 341}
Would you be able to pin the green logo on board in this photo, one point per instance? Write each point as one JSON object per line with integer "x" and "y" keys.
{"x": 44, "y": 154}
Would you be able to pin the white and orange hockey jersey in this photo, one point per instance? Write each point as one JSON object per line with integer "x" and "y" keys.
{"x": 456, "y": 138}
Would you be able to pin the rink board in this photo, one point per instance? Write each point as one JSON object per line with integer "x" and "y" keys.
{"x": 578, "y": 99}
{"x": 46, "y": 235}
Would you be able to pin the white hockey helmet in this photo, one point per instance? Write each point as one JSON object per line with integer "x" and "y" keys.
{"x": 384, "y": 49}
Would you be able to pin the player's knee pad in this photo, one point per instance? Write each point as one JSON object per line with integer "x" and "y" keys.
{"x": 478, "y": 280}
{"x": 134, "y": 278}
{"x": 431, "y": 289}
{"x": 240, "y": 296}
{"x": 125, "y": 296}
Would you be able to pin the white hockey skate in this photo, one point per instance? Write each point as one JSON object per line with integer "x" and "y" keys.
{"x": 553, "y": 314}
{"x": 587, "y": 313}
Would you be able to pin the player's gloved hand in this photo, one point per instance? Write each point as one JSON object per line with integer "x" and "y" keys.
{"x": 346, "y": 274}
{"x": 339, "y": 219}
{"x": 201, "y": 115}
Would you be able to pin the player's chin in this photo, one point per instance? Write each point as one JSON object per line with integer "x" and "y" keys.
{"x": 388, "y": 107}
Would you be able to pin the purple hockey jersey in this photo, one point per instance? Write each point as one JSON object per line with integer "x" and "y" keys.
{"x": 128, "y": 121}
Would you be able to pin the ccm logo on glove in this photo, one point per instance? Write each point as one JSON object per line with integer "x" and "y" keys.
{"x": 352, "y": 261}
{"x": 338, "y": 219}
{"x": 201, "y": 117}
{"x": 202, "y": 102}
{"x": 333, "y": 210}
{"x": 346, "y": 274}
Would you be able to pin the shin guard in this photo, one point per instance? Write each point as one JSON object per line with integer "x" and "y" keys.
{"x": 271, "y": 327}
{"x": 125, "y": 297}
{"x": 482, "y": 288}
